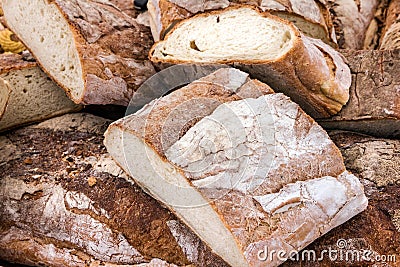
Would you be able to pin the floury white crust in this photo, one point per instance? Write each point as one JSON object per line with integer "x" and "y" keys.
{"x": 251, "y": 169}
{"x": 312, "y": 73}
{"x": 75, "y": 43}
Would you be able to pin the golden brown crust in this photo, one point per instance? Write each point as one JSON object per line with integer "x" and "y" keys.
{"x": 10, "y": 62}
{"x": 303, "y": 73}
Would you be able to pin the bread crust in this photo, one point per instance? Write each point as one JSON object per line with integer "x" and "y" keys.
{"x": 374, "y": 104}
{"x": 111, "y": 71}
{"x": 351, "y": 19}
{"x": 165, "y": 13}
{"x": 390, "y": 34}
{"x": 5, "y": 92}
{"x": 307, "y": 72}
{"x": 9, "y": 62}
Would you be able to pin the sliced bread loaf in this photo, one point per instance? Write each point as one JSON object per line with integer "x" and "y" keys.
{"x": 96, "y": 52}
{"x": 33, "y": 96}
{"x": 245, "y": 171}
{"x": 311, "y": 17}
{"x": 312, "y": 73}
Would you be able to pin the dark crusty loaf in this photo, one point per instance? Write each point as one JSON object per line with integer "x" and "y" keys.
{"x": 33, "y": 96}
{"x": 374, "y": 104}
{"x": 97, "y": 53}
{"x": 251, "y": 169}
{"x": 67, "y": 204}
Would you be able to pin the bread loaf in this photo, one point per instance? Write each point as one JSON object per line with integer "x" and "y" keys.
{"x": 311, "y": 17}
{"x": 64, "y": 202}
{"x": 376, "y": 162}
{"x": 390, "y": 39}
{"x": 94, "y": 51}
{"x": 374, "y": 105}
{"x": 309, "y": 71}
{"x": 244, "y": 173}
{"x": 33, "y": 96}
{"x": 4, "y": 95}
{"x": 351, "y": 19}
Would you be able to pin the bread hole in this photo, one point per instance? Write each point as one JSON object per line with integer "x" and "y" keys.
{"x": 71, "y": 67}
{"x": 62, "y": 68}
{"x": 218, "y": 19}
{"x": 193, "y": 45}
{"x": 24, "y": 90}
{"x": 41, "y": 39}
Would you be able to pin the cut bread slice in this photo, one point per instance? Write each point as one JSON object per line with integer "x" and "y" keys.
{"x": 245, "y": 172}
{"x": 97, "y": 53}
{"x": 311, "y": 17}
{"x": 33, "y": 96}
{"x": 5, "y": 92}
{"x": 312, "y": 73}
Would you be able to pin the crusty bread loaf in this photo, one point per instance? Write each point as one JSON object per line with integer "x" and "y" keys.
{"x": 312, "y": 73}
{"x": 374, "y": 104}
{"x": 390, "y": 39}
{"x": 311, "y": 17}
{"x": 33, "y": 96}
{"x": 96, "y": 52}
{"x": 64, "y": 202}
{"x": 5, "y": 92}
{"x": 351, "y": 19}
{"x": 254, "y": 171}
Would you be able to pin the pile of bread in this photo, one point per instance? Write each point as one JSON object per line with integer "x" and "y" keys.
{"x": 226, "y": 135}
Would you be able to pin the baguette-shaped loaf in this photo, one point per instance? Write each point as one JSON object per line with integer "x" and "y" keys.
{"x": 312, "y": 73}
{"x": 94, "y": 51}
{"x": 311, "y": 17}
{"x": 67, "y": 204}
{"x": 374, "y": 104}
{"x": 33, "y": 96}
{"x": 245, "y": 171}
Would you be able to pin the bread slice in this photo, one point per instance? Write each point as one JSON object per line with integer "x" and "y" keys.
{"x": 4, "y": 96}
{"x": 311, "y": 17}
{"x": 33, "y": 96}
{"x": 309, "y": 71}
{"x": 94, "y": 51}
{"x": 244, "y": 173}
